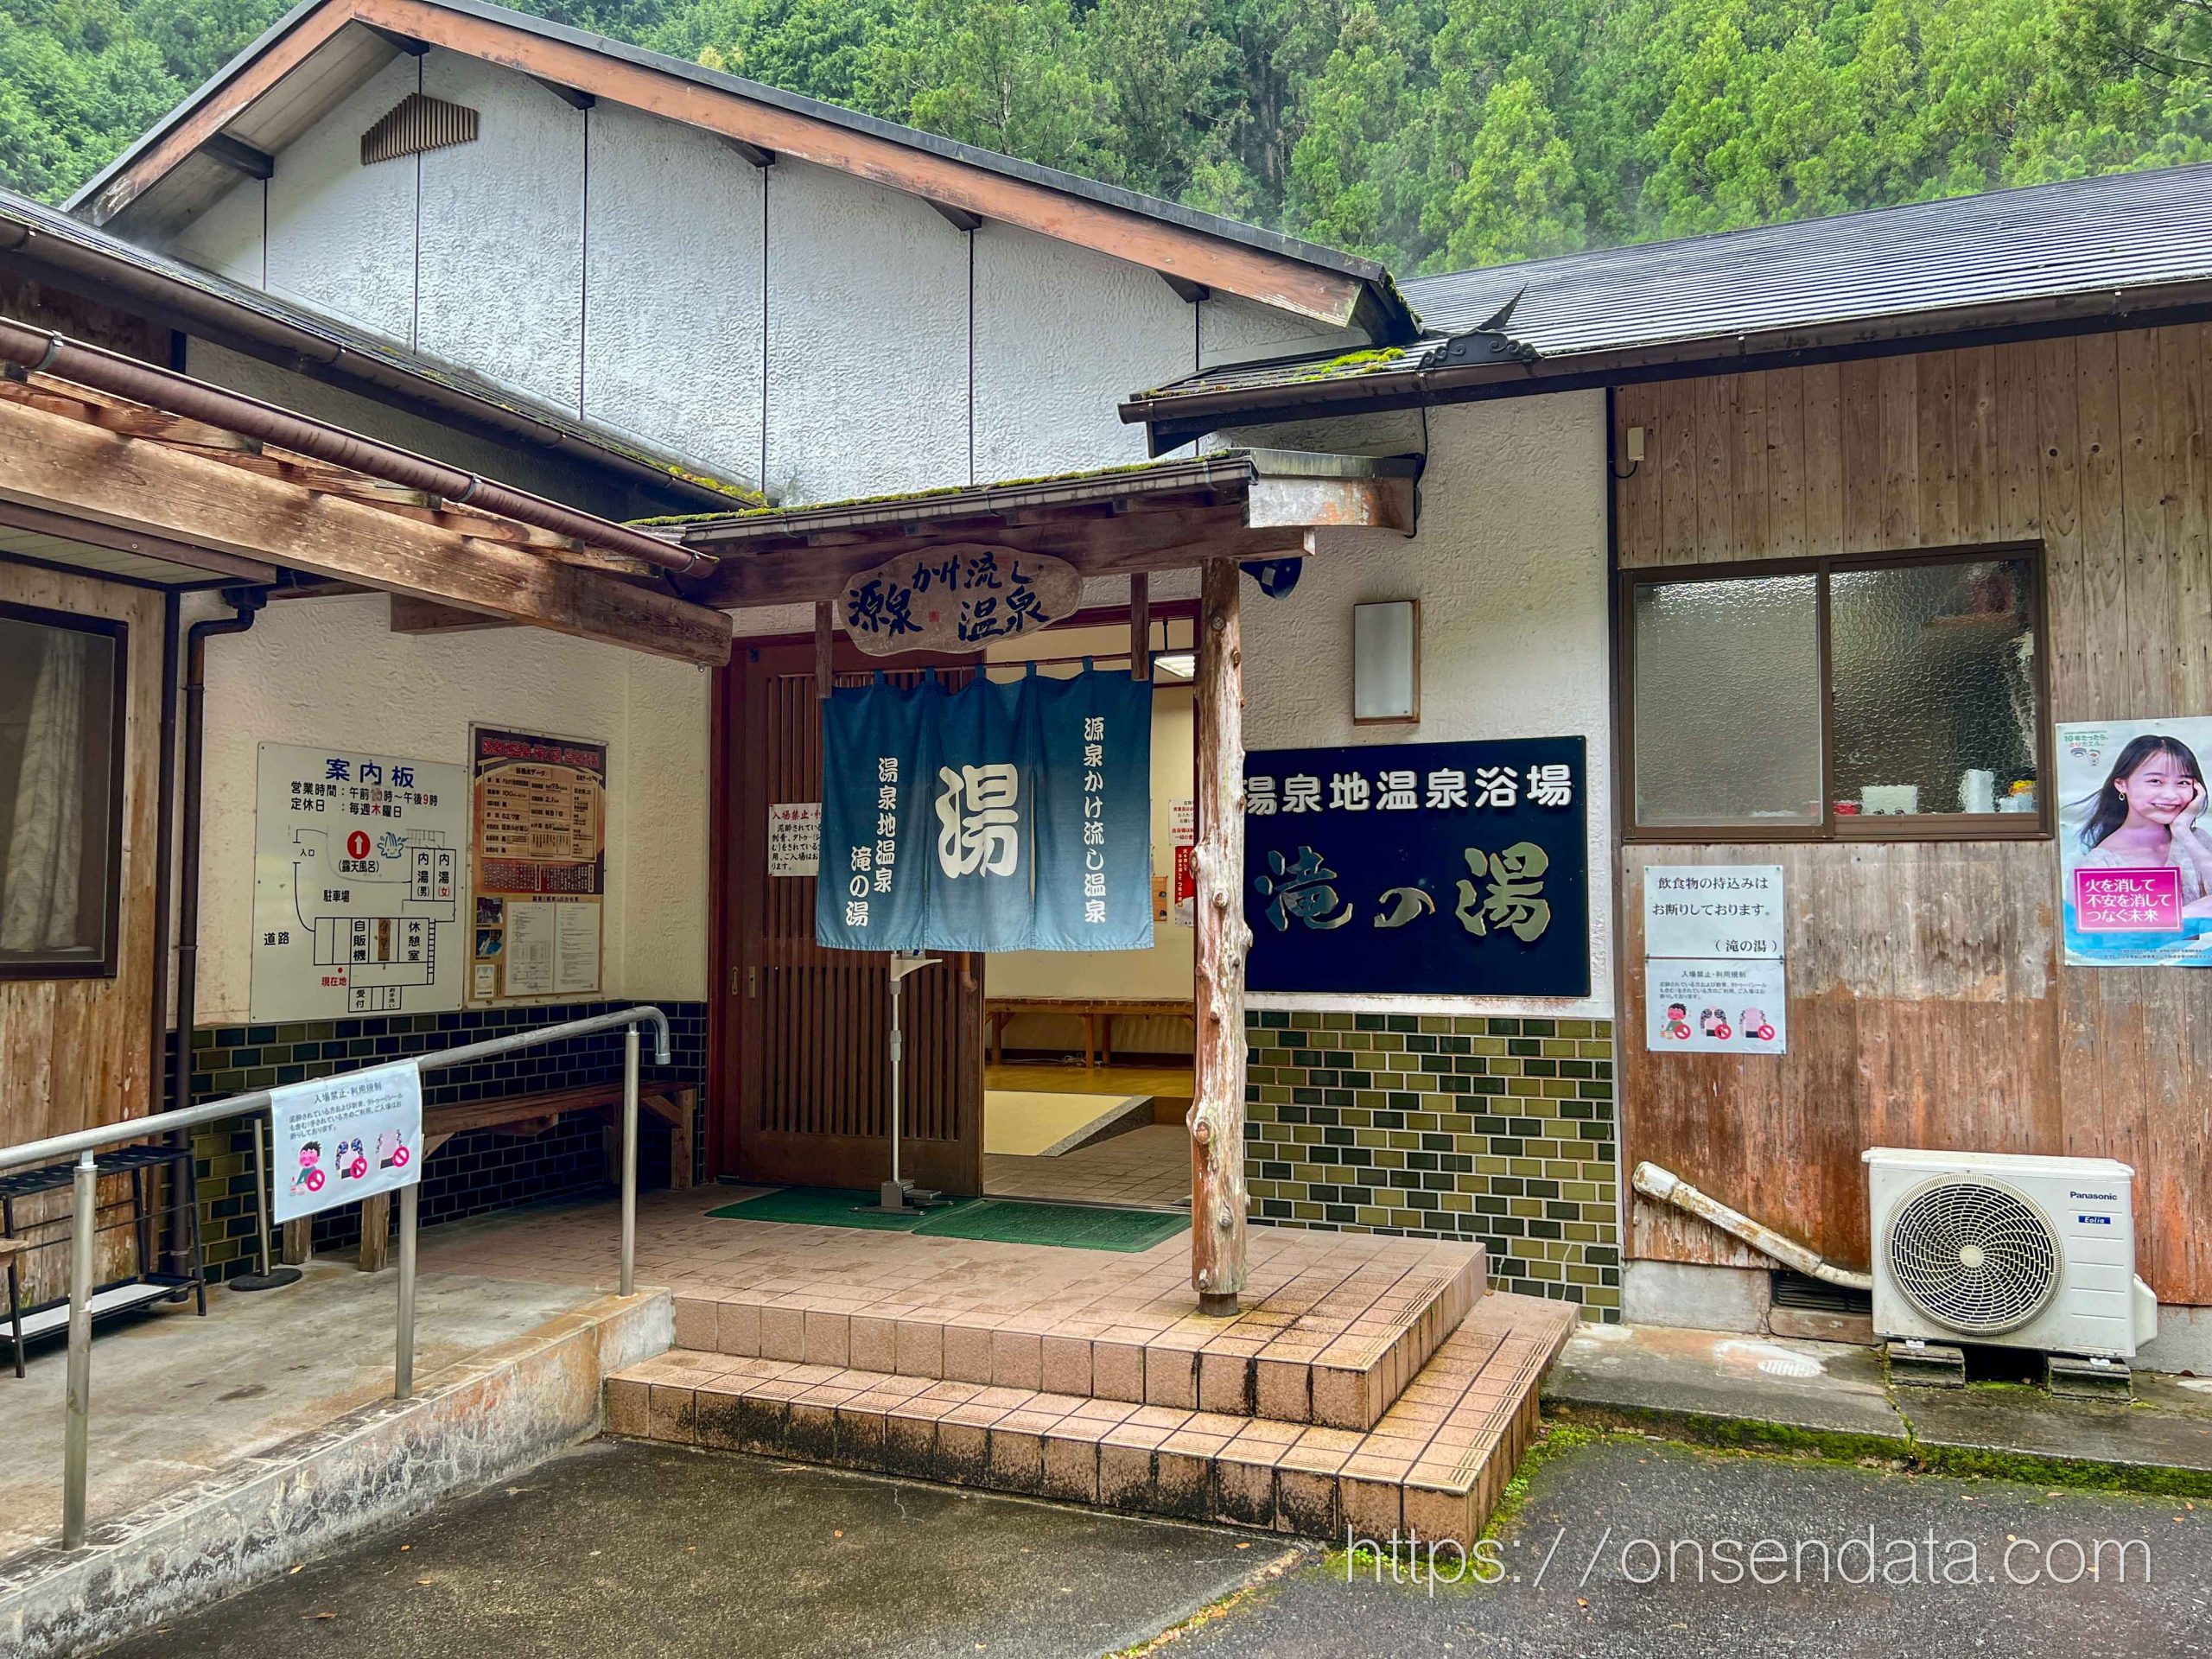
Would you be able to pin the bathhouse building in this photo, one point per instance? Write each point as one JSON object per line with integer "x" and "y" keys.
{"x": 1621, "y": 710}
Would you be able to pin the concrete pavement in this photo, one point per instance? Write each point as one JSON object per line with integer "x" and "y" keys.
{"x": 1645, "y": 1550}
{"x": 1620, "y": 1546}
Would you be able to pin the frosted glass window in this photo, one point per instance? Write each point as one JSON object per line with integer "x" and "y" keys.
{"x": 1933, "y": 667}
{"x": 1728, "y": 702}
{"x": 61, "y": 743}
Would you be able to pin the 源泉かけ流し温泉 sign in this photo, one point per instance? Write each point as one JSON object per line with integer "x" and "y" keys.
{"x": 957, "y": 598}
{"x": 1003, "y": 815}
{"x": 1429, "y": 869}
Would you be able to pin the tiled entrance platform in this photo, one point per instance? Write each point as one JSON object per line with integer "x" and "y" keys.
{"x": 1435, "y": 1464}
{"x": 1368, "y": 1380}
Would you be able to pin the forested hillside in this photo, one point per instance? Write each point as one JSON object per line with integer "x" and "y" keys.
{"x": 1433, "y": 134}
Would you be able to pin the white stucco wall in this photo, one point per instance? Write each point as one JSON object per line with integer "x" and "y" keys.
{"x": 612, "y": 263}
{"x": 1510, "y": 569}
{"x": 867, "y": 338}
{"x": 328, "y": 670}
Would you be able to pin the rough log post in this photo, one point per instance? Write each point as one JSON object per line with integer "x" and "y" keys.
{"x": 1140, "y": 627}
{"x": 1217, "y": 1119}
{"x": 825, "y": 637}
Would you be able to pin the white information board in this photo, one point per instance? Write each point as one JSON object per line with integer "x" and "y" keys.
{"x": 1713, "y": 977}
{"x": 1728, "y": 912}
{"x": 358, "y": 877}
{"x": 795, "y": 838}
{"x": 342, "y": 1139}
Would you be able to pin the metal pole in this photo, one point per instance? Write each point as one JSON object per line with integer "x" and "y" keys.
{"x": 402, "y": 1366}
{"x": 76, "y": 1456}
{"x": 630, "y": 1158}
{"x": 898, "y": 1054}
{"x": 261, "y": 1190}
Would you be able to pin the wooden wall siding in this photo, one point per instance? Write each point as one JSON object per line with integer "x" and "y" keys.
{"x": 77, "y": 1052}
{"x": 1928, "y": 1006}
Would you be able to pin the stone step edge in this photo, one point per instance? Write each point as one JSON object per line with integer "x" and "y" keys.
{"x": 1165, "y": 1464}
{"x": 1159, "y": 1373}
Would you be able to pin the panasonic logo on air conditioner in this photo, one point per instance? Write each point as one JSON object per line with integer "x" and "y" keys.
{"x": 2104, "y": 1198}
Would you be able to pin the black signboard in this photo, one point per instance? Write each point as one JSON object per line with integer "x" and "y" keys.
{"x": 1457, "y": 869}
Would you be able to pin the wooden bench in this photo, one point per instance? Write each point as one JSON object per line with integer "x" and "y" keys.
{"x": 1096, "y": 1013}
{"x": 676, "y": 1104}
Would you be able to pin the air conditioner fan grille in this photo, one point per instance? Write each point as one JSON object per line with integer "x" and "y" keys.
{"x": 1973, "y": 1256}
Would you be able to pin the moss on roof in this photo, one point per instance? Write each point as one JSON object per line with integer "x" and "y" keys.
{"x": 687, "y": 520}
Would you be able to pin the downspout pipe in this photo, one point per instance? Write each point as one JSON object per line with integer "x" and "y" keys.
{"x": 40, "y": 352}
{"x": 245, "y": 603}
{"x": 1667, "y": 1187}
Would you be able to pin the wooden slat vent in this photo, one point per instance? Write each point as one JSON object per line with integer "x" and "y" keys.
{"x": 418, "y": 122}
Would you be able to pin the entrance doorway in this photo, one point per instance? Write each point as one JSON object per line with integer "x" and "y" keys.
{"x": 1033, "y": 1074}
{"x": 802, "y": 1070}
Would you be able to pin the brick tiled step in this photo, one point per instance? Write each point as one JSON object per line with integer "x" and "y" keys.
{"x": 1325, "y": 1343}
{"x": 1436, "y": 1462}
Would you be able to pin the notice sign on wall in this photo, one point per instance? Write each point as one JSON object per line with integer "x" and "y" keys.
{"x": 540, "y": 864}
{"x": 795, "y": 838}
{"x": 1713, "y": 978}
{"x": 341, "y": 1138}
{"x": 2134, "y": 842}
{"x": 357, "y": 884}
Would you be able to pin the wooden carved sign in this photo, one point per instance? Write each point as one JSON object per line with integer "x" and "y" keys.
{"x": 957, "y": 599}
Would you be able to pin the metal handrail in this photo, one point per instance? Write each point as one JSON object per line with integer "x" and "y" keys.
{"x": 81, "y": 1144}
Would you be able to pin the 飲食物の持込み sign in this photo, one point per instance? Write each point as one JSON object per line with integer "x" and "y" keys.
{"x": 1714, "y": 937}
{"x": 2135, "y": 842}
{"x": 957, "y": 598}
{"x": 1012, "y": 815}
{"x": 342, "y": 1139}
{"x": 1430, "y": 869}
{"x": 357, "y": 884}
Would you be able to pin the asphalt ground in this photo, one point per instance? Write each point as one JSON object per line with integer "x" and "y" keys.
{"x": 1617, "y": 1546}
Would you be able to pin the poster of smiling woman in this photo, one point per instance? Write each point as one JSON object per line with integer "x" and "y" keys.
{"x": 2135, "y": 843}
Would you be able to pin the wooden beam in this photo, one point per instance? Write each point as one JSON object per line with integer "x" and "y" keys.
{"x": 959, "y": 218}
{"x": 220, "y": 107}
{"x": 567, "y": 95}
{"x": 40, "y": 522}
{"x": 1218, "y": 1199}
{"x": 410, "y": 614}
{"x": 825, "y": 647}
{"x": 1185, "y": 288}
{"x": 238, "y": 156}
{"x": 64, "y": 465}
{"x": 1096, "y": 547}
{"x": 1140, "y": 627}
{"x": 1331, "y": 503}
{"x": 1217, "y": 262}
{"x": 752, "y": 153}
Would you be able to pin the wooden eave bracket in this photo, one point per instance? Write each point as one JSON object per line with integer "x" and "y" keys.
{"x": 238, "y": 156}
{"x": 567, "y": 95}
{"x": 1185, "y": 288}
{"x": 959, "y": 218}
{"x": 751, "y": 152}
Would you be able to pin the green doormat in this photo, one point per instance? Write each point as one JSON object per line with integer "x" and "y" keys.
{"x": 1001, "y": 1221}
{"x": 1073, "y": 1226}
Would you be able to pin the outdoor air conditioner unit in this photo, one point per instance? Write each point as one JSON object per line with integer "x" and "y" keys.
{"x": 2019, "y": 1251}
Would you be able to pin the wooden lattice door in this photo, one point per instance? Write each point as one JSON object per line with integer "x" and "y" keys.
{"x": 805, "y": 1084}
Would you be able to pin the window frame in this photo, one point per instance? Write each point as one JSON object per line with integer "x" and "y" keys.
{"x": 2041, "y": 825}
{"x": 107, "y": 963}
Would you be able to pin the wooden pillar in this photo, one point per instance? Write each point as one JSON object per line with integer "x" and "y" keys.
{"x": 1217, "y": 1119}
{"x": 1140, "y": 627}
{"x": 825, "y": 639}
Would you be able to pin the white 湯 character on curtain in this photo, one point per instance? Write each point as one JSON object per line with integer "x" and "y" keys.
{"x": 979, "y": 820}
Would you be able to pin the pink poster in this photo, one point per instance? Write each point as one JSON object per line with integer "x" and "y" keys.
{"x": 2127, "y": 901}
